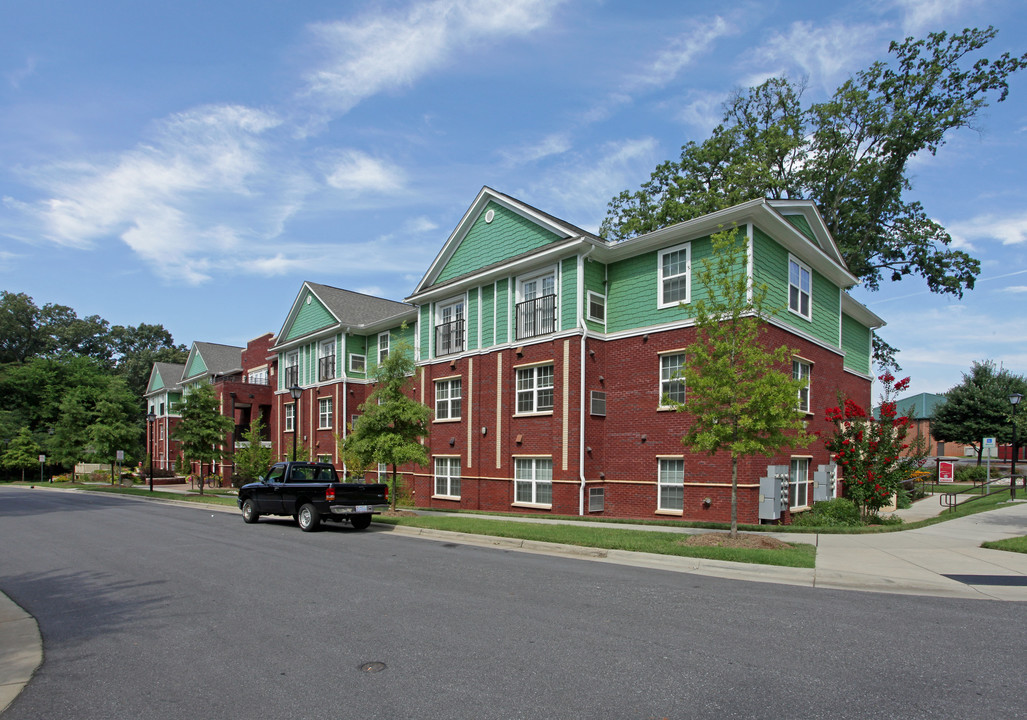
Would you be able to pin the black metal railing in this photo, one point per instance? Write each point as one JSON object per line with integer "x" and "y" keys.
{"x": 536, "y": 317}
{"x": 449, "y": 337}
{"x": 292, "y": 376}
{"x": 326, "y": 368}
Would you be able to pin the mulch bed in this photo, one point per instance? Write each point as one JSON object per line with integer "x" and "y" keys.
{"x": 744, "y": 540}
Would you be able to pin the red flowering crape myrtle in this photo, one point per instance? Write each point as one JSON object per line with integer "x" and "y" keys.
{"x": 868, "y": 450}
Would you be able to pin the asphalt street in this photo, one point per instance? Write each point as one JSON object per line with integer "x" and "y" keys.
{"x": 156, "y": 611}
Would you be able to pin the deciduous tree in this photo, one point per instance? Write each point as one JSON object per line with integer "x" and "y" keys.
{"x": 203, "y": 428}
{"x": 739, "y": 392}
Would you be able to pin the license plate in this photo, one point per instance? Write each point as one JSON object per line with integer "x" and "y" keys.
{"x": 363, "y": 509}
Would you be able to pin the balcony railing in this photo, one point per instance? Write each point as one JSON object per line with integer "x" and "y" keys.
{"x": 219, "y": 379}
{"x": 449, "y": 337}
{"x": 292, "y": 376}
{"x": 536, "y": 317}
{"x": 326, "y": 368}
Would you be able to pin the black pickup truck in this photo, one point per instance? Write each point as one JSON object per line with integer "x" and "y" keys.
{"x": 311, "y": 492}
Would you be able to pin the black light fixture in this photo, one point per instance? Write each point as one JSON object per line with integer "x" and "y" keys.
{"x": 1014, "y": 400}
{"x": 150, "y": 418}
{"x": 296, "y": 391}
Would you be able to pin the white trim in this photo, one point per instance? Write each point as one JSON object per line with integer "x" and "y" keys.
{"x": 750, "y": 262}
{"x": 588, "y": 306}
{"x": 661, "y": 302}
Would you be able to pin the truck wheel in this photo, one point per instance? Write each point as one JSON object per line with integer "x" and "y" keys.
{"x": 309, "y": 518}
{"x": 249, "y": 512}
{"x": 360, "y": 522}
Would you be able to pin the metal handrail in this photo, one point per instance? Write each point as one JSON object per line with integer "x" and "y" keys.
{"x": 950, "y": 501}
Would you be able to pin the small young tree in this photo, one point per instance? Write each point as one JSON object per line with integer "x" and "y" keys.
{"x": 392, "y": 424}
{"x": 203, "y": 428}
{"x": 252, "y": 461}
{"x": 111, "y": 431}
{"x": 740, "y": 393}
{"x": 869, "y": 450}
{"x": 22, "y": 452}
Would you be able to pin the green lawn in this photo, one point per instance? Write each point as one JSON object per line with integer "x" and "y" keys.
{"x": 1017, "y": 544}
{"x": 596, "y": 536}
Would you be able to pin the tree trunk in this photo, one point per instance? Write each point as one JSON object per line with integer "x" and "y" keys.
{"x": 393, "y": 488}
{"x": 734, "y": 496}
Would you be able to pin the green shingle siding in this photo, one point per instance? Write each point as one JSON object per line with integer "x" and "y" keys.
{"x": 502, "y": 311}
{"x": 802, "y": 225}
{"x": 427, "y": 328}
{"x": 196, "y": 367}
{"x": 856, "y": 344}
{"x": 312, "y": 317}
{"x": 488, "y": 307}
{"x": 567, "y": 302}
{"x": 508, "y": 235}
{"x": 158, "y": 382}
{"x": 770, "y": 262}
{"x": 472, "y": 319}
{"x": 357, "y": 345}
{"x": 595, "y": 274}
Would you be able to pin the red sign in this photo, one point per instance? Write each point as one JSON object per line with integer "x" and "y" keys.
{"x": 946, "y": 472}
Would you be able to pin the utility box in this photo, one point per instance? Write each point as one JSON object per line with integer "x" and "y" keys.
{"x": 774, "y": 492}
{"x": 824, "y": 482}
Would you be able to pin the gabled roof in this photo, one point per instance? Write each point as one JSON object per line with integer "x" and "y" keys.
{"x": 213, "y": 359}
{"x": 560, "y": 228}
{"x": 348, "y": 310}
{"x": 164, "y": 377}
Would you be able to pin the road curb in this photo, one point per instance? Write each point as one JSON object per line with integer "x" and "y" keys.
{"x": 21, "y": 650}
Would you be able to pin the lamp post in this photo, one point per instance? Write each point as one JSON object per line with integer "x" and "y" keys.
{"x": 295, "y": 391}
{"x": 150, "y": 419}
{"x": 1014, "y": 400}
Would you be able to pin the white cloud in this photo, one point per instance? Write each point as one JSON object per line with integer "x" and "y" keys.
{"x": 357, "y": 172}
{"x": 420, "y": 225}
{"x": 1016, "y": 289}
{"x": 1008, "y": 229}
{"x": 17, "y": 77}
{"x": 827, "y": 54}
{"x": 159, "y": 197}
{"x": 380, "y": 53}
{"x": 704, "y": 110}
{"x": 585, "y": 185}
{"x": 555, "y": 144}
{"x": 682, "y": 51}
{"x": 920, "y": 16}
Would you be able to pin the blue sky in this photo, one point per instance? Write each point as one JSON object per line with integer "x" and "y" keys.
{"x": 192, "y": 163}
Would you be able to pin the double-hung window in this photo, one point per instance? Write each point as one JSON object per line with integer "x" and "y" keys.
{"x": 447, "y": 476}
{"x": 290, "y": 418}
{"x": 672, "y": 382}
{"x": 357, "y": 363}
{"x": 800, "y": 371}
{"x": 596, "y": 307}
{"x": 799, "y": 288}
{"x": 533, "y": 481}
{"x": 326, "y": 361}
{"x": 324, "y": 413}
{"x": 671, "y": 484}
{"x": 448, "y": 394}
{"x": 535, "y": 389}
{"x": 675, "y": 268}
{"x": 449, "y": 328}
{"x": 536, "y": 306}
{"x": 383, "y": 347}
{"x": 798, "y": 483}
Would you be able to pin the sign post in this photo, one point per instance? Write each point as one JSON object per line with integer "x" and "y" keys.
{"x": 989, "y": 448}
{"x": 42, "y": 461}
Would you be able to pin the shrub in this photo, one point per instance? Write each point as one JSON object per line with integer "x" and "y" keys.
{"x": 884, "y": 520}
{"x": 840, "y": 512}
{"x": 971, "y": 473}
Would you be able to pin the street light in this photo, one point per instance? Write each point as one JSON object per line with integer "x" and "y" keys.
{"x": 1014, "y": 400}
{"x": 150, "y": 419}
{"x": 295, "y": 391}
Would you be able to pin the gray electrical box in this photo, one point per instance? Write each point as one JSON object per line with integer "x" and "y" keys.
{"x": 823, "y": 482}
{"x": 774, "y": 492}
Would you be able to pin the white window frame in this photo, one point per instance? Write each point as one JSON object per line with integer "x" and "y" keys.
{"x": 600, "y": 300}
{"x": 458, "y": 307}
{"x": 534, "y": 475}
{"x": 353, "y": 360}
{"x": 383, "y": 352}
{"x": 530, "y": 387}
{"x": 292, "y": 360}
{"x": 290, "y": 417}
{"x": 797, "y": 498}
{"x": 383, "y": 472}
{"x": 668, "y": 381}
{"x": 803, "y": 370}
{"x": 321, "y": 355}
{"x": 325, "y": 419}
{"x": 448, "y": 405}
{"x": 539, "y": 318}
{"x": 663, "y": 279}
{"x": 324, "y": 458}
{"x": 799, "y": 292}
{"x": 670, "y": 476}
{"x": 447, "y": 477}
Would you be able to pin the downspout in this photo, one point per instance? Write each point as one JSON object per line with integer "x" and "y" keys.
{"x": 581, "y": 403}
{"x": 345, "y": 395}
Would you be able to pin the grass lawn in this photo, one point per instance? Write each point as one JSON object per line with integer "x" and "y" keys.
{"x": 1017, "y": 544}
{"x": 661, "y": 543}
